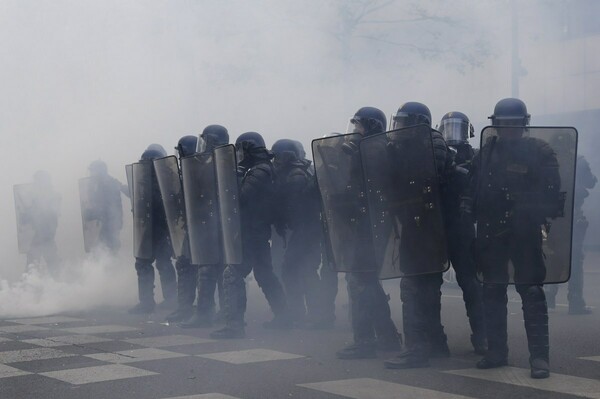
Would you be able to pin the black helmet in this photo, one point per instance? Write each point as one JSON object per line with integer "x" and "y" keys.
{"x": 151, "y": 154}
{"x": 186, "y": 146}
{"x": 159, "y": 149}
{"x": 248, "y": 146}
{"x": 510, "y": 112}
{"x": 456, "y": 128}
{"x": 372, "y": 120}
{"x": 253, "y": 140}
{"x": 300, "y": 150}
{"x": 284, "y": 145}
{"x": 411, "y": 114}
{"x": 285, "y": 151}
{"x": 98, "y": 168}
{"x": 213, "y": 136}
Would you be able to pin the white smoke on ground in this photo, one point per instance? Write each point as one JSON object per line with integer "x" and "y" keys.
{"x": 93, "y": 283}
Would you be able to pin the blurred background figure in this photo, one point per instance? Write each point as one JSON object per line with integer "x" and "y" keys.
{"x": 585, "y": 180}
{"x": 101, "y": 208}
{"x": 38, "y": 208}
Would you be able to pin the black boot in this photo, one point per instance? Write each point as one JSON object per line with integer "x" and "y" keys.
{"x": 200, "y": 319}
{"x": 535, "y": 315}
{"x": 234, "y": 290}
{"x": 186, "y": 290}
{"x": 145, "y": 289}
{"x": 495, "y": 303}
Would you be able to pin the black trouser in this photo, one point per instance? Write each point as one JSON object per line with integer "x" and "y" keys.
{"x": 207, "y": 282}
{"x": 370, "y": 309}
{"x": 460, "y": 236}
{"x": 166, "y": 271}
{"x": 421, "y": 309}
{"x": 300, "y": 273}
{"x": 525, "y": 252}
{"x": 187, "y": 275}
{"x": 257, "y": 258}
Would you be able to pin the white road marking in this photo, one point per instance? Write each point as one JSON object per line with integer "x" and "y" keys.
{"x": 99, "y": 329}
{"x": 7, "y": 371}
{"x": 369, "y": 388}
{"x": 21, "y": 328}
{"x": 88, "y": 375}
{"x": 592, "y": 358}
{"x": 2, "y": 339}
{"x": 250, "y": 356}
{"x": 205, "y": 396}
{"x": 46, "y": 320}
{"x": 135, "y": 355}
{"x": 168, "y": 340}
{"x": 28, "y": 355}
{"x": 66, "y": 340}
{"x": 560, "y": 383}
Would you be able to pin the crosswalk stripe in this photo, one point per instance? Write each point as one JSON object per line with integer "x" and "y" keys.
{"x": 250, "y": 356}
{"x": 560, "y": 383}
{"x": 89, "y": 375}
{"x": 206, "y": 396}
{"x": 592, "y": 358}
{"x": 369, "y": 388}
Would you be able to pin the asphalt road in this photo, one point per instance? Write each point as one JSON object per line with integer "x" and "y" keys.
{"x": 106, "y": 353}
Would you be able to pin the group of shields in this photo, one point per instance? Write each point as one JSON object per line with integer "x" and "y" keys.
{"x": 387, "y": 194}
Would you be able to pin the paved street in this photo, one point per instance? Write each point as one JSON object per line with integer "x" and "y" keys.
{"x": 110, "y": 354}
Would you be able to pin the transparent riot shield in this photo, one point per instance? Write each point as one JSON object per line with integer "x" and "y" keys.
{"x": 129, "y": 175}
{"x": 229, "y": 204}
{"x": 90, "y": 217}
{"x": 403, "y": 195}
{"x": 201, "y": 208}
{"x": 339, "y": 177}
{"x": 142, "y": 209}
{"x": 524, "y": 203}
{"x": 24, "y": 198}
{"x": 171, "y": 190}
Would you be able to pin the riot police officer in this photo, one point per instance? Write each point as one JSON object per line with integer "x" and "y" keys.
{"x": 187, "y": 273}
{"x": 372, "y": 324}
{"x": 40, "y": 212}
{"x": 210, "y": 277}
{"x": 106, "y": 206}
{"x": 298, "y": 211}
{"x": 256, "y": 202}
{"x": 421, "y": 293}
{"x": 509, "y": 170}
{"x": 460, "y": 231}
{"x": 160, "y": 248}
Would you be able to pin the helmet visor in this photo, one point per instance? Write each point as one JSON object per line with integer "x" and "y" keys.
{"x": 404, "y": 119}
{"x": 455, "y": 130}
{"x": 201, "y": 146}
{"x": 355, "y": 126}
{"x": 513, "y": 121}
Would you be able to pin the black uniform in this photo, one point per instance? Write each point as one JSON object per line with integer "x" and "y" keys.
{"x": 372, "y": 324}
{"x": 108, "y": 209}
{"x": 460, "y": 234}
{"x": 299, "y": 212}
{"x": 421, "y": 295}
{"x": 162, "y": 252}
{"x": 256, "y": 201}
{"x": 508, "y": 233}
